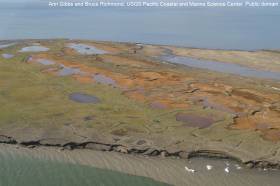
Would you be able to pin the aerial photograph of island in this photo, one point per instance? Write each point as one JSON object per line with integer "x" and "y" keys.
{"x": 122, "y": 93}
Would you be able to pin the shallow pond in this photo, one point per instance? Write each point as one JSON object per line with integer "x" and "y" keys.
{"x": 6, "y": 45}
{"x": 158, "y": 105}
{"x": 86, "y": 49}
{"x": 192, "y": 120}
{"x": 100, "y": 78}
{"x": 221, "y": 67}
{"x": 34, "y": 48}
{"x": 67, "y": 71}
{"x": 7, "y": 56}
{"x": 45, "y": 62}
{"x": 84, "y": 98}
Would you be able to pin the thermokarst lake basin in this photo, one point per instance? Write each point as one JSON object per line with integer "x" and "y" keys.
{"x": 6, "y": 45}
{"x": 86, "y": 49}
{"x": 222, "y": 67}
{"x": 84, "y": 98}
{"x": 192, "y": 120}
{"x": 100, "y": 78}
{"x": 45, "y": 62}
{"x": 34, "y": 48}
{"x": 7, "y": 56}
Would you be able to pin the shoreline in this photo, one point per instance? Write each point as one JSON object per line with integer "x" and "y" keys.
{"x": 148, "y": 152}
{"x": 175, "y": 50}
{"x": 142, "y": 43}
{"x": 171, "y": 171}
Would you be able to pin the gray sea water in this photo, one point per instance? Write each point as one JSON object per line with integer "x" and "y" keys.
{"x": 242, "y": 28}
{"x": 17, "y": 170}
{"x": 53, "y": 167}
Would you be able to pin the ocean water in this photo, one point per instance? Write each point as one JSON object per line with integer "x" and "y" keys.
{"x": 224, "y": 28}
{"x": 50, "y": 166}
{"x": 16, "y": 170}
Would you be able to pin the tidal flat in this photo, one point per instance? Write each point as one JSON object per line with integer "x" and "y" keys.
{"x": 140, "y": 104}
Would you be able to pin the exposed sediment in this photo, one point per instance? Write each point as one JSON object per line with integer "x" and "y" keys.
{"x": 150, "y": 152}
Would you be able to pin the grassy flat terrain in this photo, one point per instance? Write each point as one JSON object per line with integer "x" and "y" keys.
{"x": 142, "y": 101}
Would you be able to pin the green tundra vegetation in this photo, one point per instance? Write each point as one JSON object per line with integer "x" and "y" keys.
{"x": 127, "y": 95}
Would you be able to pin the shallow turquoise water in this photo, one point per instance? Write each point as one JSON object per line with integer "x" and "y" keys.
{"x": 23, "y": 171}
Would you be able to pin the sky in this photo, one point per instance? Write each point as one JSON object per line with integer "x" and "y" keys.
{"x": 25, "y": 1}
{"x": 21, "y": 2}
